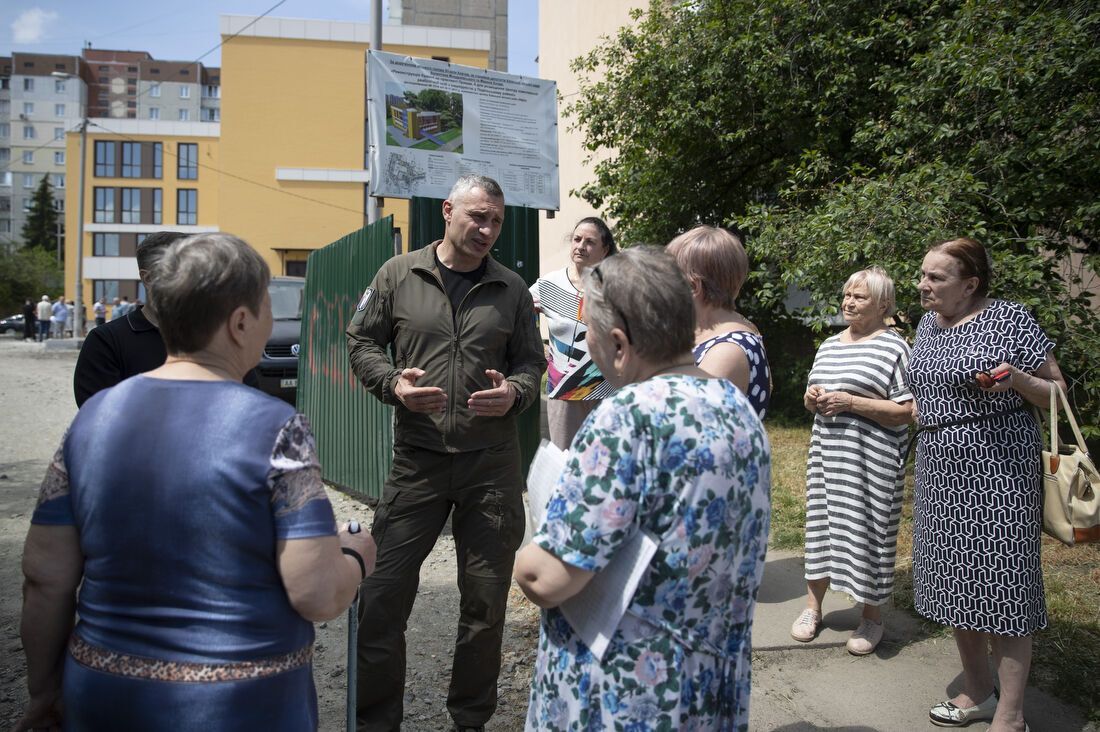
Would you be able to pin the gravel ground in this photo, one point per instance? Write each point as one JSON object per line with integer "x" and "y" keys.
{"x": 36, "y": 401}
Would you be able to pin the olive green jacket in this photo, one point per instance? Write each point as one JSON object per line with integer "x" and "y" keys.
{"x": 406, "y": 311}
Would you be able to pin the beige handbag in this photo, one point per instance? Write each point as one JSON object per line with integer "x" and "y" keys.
{"x": 1071, "y": 483}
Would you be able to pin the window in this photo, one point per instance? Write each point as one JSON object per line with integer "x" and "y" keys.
{"x": 59, "y": 158}
{"x": 28, "y": 180}
{"x": 59, "y": 133}
{"x": 157, "y": 208}
{"x": 185, "y": 91}
{"x": 58, "y": 180}
{"x": 131, "y": 69}
{"x": 59, "y": 204}
{"x": 185, "y": 115}
{"x": 131, "y": 205}
{"x": 188, "y": 167}
{"x": 154, "y": 91}
{"x": 28, "y": 132}
{"x": 187, "y": 206}
{"x": 59, "y": 86}
{"x": 104, "y": 206}
{"x": 212, "y": 91}
{"x": 5, "y": 224}
{"x": 105, "y": 289}
{"x": 154, "y": 112}
{"x": 158, "y": 160}
{"x": 211, "y": 115}
{"x": 28, "y": 84}
{"x": 104, "y": 245}
{"x": 131, "y": 160}
{"x": 4, "y": 83}
{"x": 28, "y": 157}
{"x": 5, "y": 129}
{"x": 5, "y": 178}
{"x": 59, "y": 110}
{"x": 104, "y": 159}
{"x": 26, "y": 204}
{"x": 28, "y": 108}
{"x": 5, "y": 154}
{"x": 5, "y": 107}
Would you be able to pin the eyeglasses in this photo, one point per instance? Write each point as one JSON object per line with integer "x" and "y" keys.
{"x": 626, "y": 326}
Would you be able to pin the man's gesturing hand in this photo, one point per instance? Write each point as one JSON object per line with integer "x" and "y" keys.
{"x": 424, "y": 399}
{"x": 493, "y": 402}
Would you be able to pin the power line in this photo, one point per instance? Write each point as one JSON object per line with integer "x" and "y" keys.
{"x": 238, "y": 177}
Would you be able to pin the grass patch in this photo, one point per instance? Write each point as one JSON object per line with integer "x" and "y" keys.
{"x": 1065, "y": 654}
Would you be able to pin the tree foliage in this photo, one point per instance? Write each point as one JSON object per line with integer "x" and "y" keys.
{"x": 839, "y": 135}
{"x": 28, "y": 274}
{"x": 40, "y": 228}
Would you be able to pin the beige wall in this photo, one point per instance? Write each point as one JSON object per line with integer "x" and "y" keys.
{"x": 568, "y": 29}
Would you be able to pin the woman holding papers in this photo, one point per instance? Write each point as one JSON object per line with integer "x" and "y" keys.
{"x": 574, "y": 386}
{"x": 677, "y": 457}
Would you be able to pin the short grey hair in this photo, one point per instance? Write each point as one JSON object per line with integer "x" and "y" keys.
{"x": 879, "y": 286}
{"x": 199, "y": 282}
{"x": 153, "y": 247}
{"x": 643, "y": 291}
{"x": 469, "y": 182}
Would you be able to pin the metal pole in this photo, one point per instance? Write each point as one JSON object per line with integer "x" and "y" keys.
{"x": 353, "y": 650}
{"x": 78, "y": 306}
{"x": 373, "y": 209}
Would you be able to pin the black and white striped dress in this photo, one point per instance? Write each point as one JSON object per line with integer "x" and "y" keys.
{"x": 855, "y": 473}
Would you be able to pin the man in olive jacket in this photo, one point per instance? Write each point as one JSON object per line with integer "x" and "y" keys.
{"x": 467, "y": 358}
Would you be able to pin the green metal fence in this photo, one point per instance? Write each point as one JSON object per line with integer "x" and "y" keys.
{"x": 518, "y": 249}
{"x": 354, "y": 430}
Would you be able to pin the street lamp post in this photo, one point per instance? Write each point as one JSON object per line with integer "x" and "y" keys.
{"x": 78, "y": 308}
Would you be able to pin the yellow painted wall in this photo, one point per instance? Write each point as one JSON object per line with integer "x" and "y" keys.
{"x": 207, "y": 186}
{"x": 291, "y": 103}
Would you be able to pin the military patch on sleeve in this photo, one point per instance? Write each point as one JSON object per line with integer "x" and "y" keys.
{"x": 367, "y": 295}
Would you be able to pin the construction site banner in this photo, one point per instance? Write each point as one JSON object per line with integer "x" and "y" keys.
{"x": 432, "y": 121}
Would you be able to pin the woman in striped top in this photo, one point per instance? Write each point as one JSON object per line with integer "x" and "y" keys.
{"x": 574, "y": 383}
{"x": 854, "y": 479}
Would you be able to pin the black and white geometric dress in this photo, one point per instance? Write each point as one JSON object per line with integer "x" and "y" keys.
{"x": 854, "y": 476}
{"x": 976, "y": 505}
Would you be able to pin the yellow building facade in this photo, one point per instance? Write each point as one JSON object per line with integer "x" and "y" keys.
{"x": 286, "y": 168}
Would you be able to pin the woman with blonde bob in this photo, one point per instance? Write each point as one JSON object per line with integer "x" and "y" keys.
{"x": 727, "y": 344}
{"x": 856, "y": 469}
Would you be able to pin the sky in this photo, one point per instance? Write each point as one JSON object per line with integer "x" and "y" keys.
{"x": 190, "y": 30}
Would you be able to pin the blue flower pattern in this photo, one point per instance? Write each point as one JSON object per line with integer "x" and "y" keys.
{"x": 688, "y": 461}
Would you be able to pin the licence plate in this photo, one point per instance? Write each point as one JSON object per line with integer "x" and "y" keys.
{"x": 288, "y": 383}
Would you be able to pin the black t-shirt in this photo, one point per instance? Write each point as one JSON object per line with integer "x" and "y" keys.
{"x": 457, "y": 284}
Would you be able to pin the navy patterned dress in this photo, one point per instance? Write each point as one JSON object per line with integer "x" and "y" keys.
{"x": 760, "y": 375}
{"x": 179, "y": 491}
{"x": 976, "y": 506}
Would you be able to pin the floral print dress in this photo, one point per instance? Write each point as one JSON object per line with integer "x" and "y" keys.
{"x": 688, "y": 461}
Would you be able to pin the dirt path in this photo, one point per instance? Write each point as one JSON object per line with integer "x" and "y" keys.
{"x": 36, "y": 405}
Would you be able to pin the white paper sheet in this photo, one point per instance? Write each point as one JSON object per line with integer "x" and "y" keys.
{"x": 546, "y": 467}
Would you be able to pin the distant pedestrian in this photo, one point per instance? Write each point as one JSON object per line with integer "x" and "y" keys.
{"x": 29, "y": 319}
{"x": 44, "y": 313}
{"x": 123, "y": 308}
{"x": 100, "y": 310}
{"x": 59, "y": 315}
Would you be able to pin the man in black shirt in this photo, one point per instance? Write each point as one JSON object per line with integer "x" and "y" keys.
{"x": 128, "y": 345}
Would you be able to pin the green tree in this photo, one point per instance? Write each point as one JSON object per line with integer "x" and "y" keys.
{"x": 28, "y": 273}
{"x": 40, "y": 229}
{"x": 839, "y": 135}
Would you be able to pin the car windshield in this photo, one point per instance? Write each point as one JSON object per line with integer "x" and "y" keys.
{"x": 286, "y": 300}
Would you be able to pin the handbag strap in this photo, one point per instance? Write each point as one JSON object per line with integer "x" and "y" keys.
{"x": 1055, "y": 438}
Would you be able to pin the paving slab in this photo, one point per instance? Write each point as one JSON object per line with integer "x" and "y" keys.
{"x": 802, "y": 687}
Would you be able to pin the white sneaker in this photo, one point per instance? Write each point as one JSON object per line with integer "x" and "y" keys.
{"x": 865, "y": 638}
{"x": 805, "y": 625}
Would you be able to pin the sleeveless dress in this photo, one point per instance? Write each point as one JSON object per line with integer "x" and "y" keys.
{"x": 976, "y": 503}
{"x": 855, "y": 473}
{"x": 760, "y": 375}
{"x": 179, "y": 491}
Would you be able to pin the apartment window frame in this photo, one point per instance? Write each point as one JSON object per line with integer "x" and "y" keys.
{"x": 154, "y": 112}
{"x": 154, "y": 90}
{"x": 59, "y": 86}
{"x": 104, "y": 205}
{"x": 58, "y": 133}
{"x": 185, "y": 91}
{"x": 59, "y": 157}
{"x": 158, "y": 207}
{"x": 158, "y": 160}
{"x": 131, "y": 160}
{"x": 28, "y": 84}
{"x": 130, "y": 208}
{"x": 29, "y": 133}
{"x": 28, "y": 180}
{"x": 187, "y": 207}
{"x": 5, "y": 129}
{"x": 58, "y": 181}
{"x": 59, "y": 110}
{"x": 28, "y": 157}
{"x": 187, "y": 161}
{"x": 105, "y": 163}
{"x": 185, "y": 115}
{"x": 105, "y": 245}
{"x": 28, "y": 109}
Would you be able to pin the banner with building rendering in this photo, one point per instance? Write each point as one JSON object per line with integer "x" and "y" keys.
{"x": 432, "y": 121}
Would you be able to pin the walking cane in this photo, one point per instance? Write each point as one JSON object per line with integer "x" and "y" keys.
{"x": 353, "y": 642}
